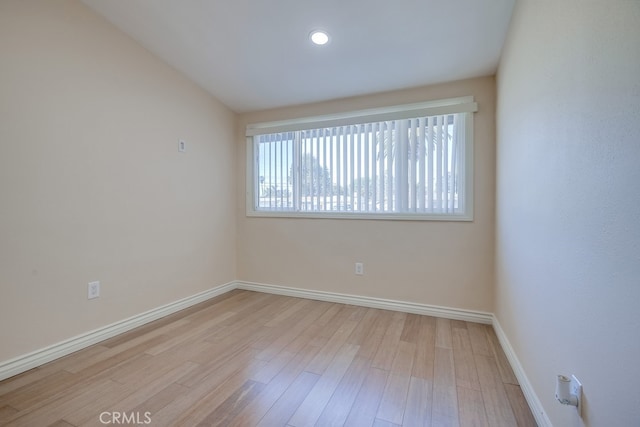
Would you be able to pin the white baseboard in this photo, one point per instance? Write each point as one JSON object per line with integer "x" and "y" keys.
{"x": 385, "y": 304}
{"x": 529, "y": 394}
{"x": 31, "y": 360}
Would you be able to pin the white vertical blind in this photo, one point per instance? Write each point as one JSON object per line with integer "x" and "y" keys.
{"x": 406, "y": 166}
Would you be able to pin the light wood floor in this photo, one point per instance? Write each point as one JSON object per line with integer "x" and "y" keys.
{"x": 247, "y": 359}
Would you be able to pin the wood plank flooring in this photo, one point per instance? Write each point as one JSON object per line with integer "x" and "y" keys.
{"x": 252, "y": 359}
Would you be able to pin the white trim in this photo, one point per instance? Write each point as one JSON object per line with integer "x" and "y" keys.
{"x": 36, "y": 358}
{"x": 251, "y": 184}
{"x": 385, "y": 304}
{"x": 361, "y": 215}
{"x": 527, "y": 389}
{"x": 464, "y": 104}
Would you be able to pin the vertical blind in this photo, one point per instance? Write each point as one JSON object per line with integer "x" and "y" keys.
{"x": 402, "y": 166}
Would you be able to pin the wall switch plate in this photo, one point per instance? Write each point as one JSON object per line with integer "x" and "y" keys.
{"x": 182, "y": 146}
{"x": 93, "y": 290}
{"x": 359, "y": 269}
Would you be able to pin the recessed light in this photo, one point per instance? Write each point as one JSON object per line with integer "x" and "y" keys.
{"x": 319, "y": 37}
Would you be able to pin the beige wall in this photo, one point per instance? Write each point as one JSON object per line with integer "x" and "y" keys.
{"x": 439, "y": 263}
{"x": 91, "y": 184}
{"x": 568, "y": 211}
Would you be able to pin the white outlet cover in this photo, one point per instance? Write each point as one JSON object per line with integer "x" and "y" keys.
{"x": 576, "y": 389}
{"x": 93, "y": 290}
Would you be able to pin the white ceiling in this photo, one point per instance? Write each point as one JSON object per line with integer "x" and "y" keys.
{"x": 255, "y": 54}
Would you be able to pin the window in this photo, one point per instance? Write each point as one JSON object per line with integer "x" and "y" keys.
{"x": 405, "y": 162}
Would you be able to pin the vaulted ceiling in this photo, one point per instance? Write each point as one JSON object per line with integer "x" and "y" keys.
{"x": 256, "y": 54}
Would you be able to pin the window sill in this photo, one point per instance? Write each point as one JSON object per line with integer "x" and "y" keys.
{"x": 362, "y": 216}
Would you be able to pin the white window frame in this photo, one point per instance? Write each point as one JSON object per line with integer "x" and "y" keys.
{"x": 464, "y": 105}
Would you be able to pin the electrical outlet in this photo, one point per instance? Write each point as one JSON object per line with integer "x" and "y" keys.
{"x": 359, "y": 268}
{"x": 93, "y": 290}
{"x": 576, "y": 390}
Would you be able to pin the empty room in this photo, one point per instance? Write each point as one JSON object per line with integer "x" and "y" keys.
{"x": 320, "y": 213}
